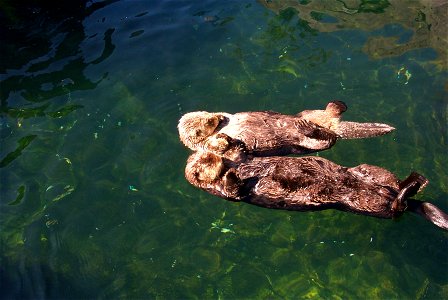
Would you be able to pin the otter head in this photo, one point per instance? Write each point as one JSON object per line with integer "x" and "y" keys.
{"x": 195, "y": 127}
{"x": 203, "y": 168}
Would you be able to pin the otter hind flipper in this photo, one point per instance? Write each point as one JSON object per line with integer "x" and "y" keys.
{"x": 355, "y": 130}
{"x": 315, "y": 134}
{"x": 420, "y": 180}
{"x": 408, "y": 188}
{"x": 337, "y": 107}
{"x": 430, "y": 212}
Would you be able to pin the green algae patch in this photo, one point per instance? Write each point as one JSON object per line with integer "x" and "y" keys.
{"x": 20, "y": 195}
{"x": 22, "y": 144}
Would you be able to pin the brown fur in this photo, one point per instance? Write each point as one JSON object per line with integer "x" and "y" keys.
{"x": 310, "y": 183}
{"x": 267, "y": 133}
{"x": 226, "y": 164}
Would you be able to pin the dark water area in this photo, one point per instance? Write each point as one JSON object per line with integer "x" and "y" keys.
{"x": 94, "y": 203}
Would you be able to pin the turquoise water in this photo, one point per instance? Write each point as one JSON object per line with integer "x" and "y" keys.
{"x": 94, "y": 203}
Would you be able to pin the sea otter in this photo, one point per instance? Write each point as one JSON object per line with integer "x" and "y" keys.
{"x": 268, "y": 133}
{"x": 309, "y": 184}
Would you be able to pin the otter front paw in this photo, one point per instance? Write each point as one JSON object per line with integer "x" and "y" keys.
{"x": 232, "y": 184}
{"x": 218, "y": 143}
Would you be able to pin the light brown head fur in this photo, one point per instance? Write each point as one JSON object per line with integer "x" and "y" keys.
{"x": 195, "y": 127}
{"x": 203, "y": 168}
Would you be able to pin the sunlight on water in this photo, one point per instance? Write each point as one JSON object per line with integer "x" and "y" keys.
{"x": 94, "y": 203}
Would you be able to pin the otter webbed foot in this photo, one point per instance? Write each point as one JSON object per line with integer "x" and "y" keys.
{"x": 315, "y": 136}
{"x": 330, "y": 118}
{"x": 421, "y": 181}
{"x": 408, "y": 188}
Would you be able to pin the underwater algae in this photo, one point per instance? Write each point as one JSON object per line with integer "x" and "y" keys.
{"x": 125, "y": 223}
{"x": 22, "y": 144}
{"x": 426, "y": 20}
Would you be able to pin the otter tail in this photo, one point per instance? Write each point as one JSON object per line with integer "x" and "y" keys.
{"x": 408, "y": 188}
{"x": 430, "y": 212}
{"x": 355, "y": 130}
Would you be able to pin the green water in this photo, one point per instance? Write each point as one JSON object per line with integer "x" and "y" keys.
{"x": 94, "y": 203}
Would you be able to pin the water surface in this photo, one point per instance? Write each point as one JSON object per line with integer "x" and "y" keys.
{"x": 94, "y": 203}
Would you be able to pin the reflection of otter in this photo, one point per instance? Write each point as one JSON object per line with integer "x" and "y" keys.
{"x": 311, "y": 183}
{"x": 270, "y": 133}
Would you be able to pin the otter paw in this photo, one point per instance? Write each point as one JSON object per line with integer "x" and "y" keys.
{"x": 219, "y": 143}
{"x": 232, "y": 184}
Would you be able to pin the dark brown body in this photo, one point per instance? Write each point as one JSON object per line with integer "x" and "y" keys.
{"x": 314, "y": 183}
{"x": 307, "y": 184}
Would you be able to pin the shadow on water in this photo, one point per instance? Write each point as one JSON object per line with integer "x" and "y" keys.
{"x": 41, "y": 51}
{"x": 42, "y": 64}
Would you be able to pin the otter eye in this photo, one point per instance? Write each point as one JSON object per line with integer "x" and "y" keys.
{"x": 198, "y": 132}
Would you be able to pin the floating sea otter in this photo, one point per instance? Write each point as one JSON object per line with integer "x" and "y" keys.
{"x": 269, "y": 133}
{"x": 311, "y": 184}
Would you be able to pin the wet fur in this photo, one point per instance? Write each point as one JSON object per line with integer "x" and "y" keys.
{"x": 311, "y": 184}
{"x": 268, "y": 133}
{"x": 226, "y": 164}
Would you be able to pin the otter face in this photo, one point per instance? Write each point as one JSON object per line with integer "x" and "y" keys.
{"x": 203, "y": 168}
{"x": 195, "y": 127}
